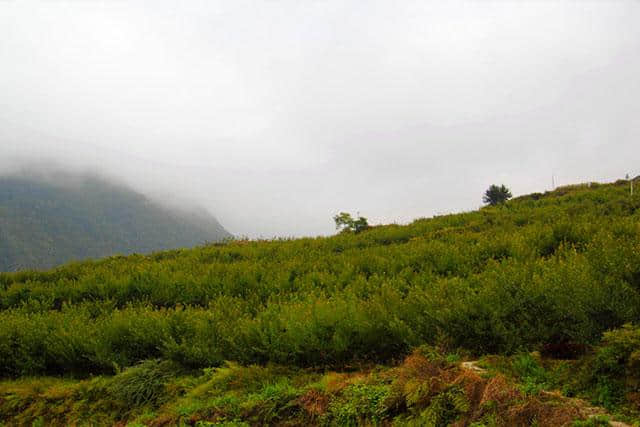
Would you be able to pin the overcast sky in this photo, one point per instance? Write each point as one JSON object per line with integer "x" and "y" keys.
{"x": 275, "y": 115}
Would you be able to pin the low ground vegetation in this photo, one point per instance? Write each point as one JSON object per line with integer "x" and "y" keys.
{"x": 428, "y": 388}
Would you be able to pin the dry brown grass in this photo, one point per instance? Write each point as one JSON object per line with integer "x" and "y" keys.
{"x": 315, "y": 403}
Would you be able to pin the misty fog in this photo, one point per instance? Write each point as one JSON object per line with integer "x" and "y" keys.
{"x": 276, "y": 115}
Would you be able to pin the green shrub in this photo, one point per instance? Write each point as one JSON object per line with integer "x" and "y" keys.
{"x": 445, "y": 408}
{"x": 142, "y": 384}
{"x": 531, "y": 375}
{"x": 360, "y": 403}
{"x": 615, "y": 368}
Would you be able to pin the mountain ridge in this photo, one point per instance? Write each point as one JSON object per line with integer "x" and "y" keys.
{"x": 48, "y": 220}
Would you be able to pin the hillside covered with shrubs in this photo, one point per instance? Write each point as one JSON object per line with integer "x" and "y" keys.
{"x": 54, "y": 218}
{"x": 344, "y": 330}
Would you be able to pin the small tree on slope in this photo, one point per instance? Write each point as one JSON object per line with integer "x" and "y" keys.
{"x": 496, "y": 195}
{"x": 345, "y": 222}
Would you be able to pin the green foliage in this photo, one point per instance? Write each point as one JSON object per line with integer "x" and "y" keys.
{"x": 619, "y": 354}
{"x": 530, "y": 374}
{"x": 496, "y": 194}
{"x": 560, "y": 267}
{"x": 44, "y": 224}
{"x": 143, "y": 383}
{"x": 615, "y": 368}
{"x": 345, "y": 222}
{"x": 592, "y": 422}
{"x": 360, "y": 402}
{"x": 445, "y": 408}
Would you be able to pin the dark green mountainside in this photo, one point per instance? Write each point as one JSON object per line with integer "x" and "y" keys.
{"x": 44, "y": 224}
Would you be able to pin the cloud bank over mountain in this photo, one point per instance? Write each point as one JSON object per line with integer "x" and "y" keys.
{"x": 277, "y": 115}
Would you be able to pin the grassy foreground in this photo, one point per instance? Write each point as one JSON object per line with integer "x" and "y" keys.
{"x": 365, "y": 328}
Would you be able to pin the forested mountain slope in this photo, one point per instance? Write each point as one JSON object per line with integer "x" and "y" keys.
{"x": 43, "y": 224}
{"x": 294, "y": 329}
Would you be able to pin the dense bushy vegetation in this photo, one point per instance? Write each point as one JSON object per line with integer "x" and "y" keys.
{"x": 44, "y": 223}
{"x": 546, "y": 272}
{"x": 543, "y": 269}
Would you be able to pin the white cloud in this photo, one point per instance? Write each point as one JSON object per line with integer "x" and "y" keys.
{"x": 277, "y": 114}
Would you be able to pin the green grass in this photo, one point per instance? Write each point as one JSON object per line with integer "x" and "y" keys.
{"x": 540, "y": 273}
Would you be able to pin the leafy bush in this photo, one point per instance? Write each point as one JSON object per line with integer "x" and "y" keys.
{"x": 532, "y": 376}
{"x": 360, "y": 402}
{"x": 615, "y": 367}
{"x": 345, "y": 222}
{"x": 445, "y": 408}
{"x": 142, "y": 384}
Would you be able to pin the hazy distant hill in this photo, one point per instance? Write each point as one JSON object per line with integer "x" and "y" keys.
{"x": 46, "y": 223}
